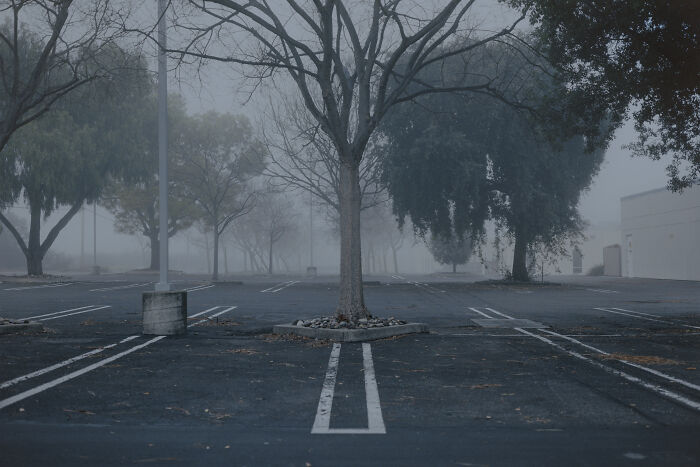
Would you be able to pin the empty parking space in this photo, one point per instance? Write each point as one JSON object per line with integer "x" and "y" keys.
{"x": 555, "y": 365}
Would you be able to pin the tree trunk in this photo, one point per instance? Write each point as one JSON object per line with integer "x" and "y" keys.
{"x": 223, "y": 247}
{"x": 215, "y": 274}
{"x": 269, "y": 258}
{"x": 454, "y": 268}
{"x": 351, "y": 303}
{"x": 396, "y": 261}
{"x": 520, "y": 259}
{"x": 34, "y": 254}
{"x": 155, "y": 253}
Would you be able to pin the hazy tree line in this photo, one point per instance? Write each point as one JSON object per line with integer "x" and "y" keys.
{"x": 455, "y": 126}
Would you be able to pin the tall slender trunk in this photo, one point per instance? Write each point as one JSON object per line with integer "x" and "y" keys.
{"x": 396, "y": 261}
{"x": 223, "y": 247}
{"x": 215, "y": 274}
{"x": 269, "y": 257}
{"x": 454, "y": 268}
{"x": 520, "y": 259}
{"x": 155, "y": 252}
{"x": 351, "y": 302}
{"x": 34, "y": 254}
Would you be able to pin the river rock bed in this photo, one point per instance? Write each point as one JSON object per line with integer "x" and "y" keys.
{"x": 330, "y": 322}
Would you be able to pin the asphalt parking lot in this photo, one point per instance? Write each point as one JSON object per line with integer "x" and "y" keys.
{"x": 590, "y": 371}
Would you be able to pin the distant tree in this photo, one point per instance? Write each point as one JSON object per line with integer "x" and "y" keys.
{"x": 272, "y": 217}
{"x": 461, "y": 161}
{"x": 216, "y": 157}
{"x": 631, "y": 56}
{"x": 134, "y": 200}
{"x": 48, "y": 49}
{"x": 67, "y": 157}
{"x": 453, "y": 249}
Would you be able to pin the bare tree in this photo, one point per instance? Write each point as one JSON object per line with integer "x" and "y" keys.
{"x": 302, "y": 157}
{"x": 216, "y": 158}
{"x": 350, "y": 65}
{"x": 48, "y": 49}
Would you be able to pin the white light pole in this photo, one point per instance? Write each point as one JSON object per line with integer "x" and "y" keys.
{"x": 163, "y": 285}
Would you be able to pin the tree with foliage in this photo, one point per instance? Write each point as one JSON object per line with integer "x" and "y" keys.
{"x": 453, "y": 249}
{"x": 215, "y": 158}
{"x": 134, "y": 201}
{"x": 464, "y": 160}
{"x": 631, "y": 56}
{"x": 48, "y": 49}
{"x": 67, "y": 157}
{"x": 343, "y": 60}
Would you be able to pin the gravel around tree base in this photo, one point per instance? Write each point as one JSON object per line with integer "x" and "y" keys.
{"x": 330, "y": 322}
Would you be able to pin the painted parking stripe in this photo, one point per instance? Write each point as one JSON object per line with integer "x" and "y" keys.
{"x": 652, "y": 387}
{"x": 602, "y": 290}
{"x": 120, "y": 287}
{"x": 76, "y": 313}
{"x": 632, "y": 315}
{"x": 45, "y": 286}
{"x": 58, "y": 365}
{"x": 199, "y": 287}
{"x": 48, "y": 369}
{"x": 375, "y": 420}
{"x": 43, "y": 387}
{"x": 278, "y": 287}
{"x": 60, "y": 312}
{"x": 632, "y": 364}
{"x": 481, "y": 313}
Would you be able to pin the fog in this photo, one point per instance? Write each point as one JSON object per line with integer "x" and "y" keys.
{"x": 217, "y": 87}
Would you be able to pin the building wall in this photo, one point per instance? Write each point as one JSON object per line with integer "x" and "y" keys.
{"x": 661, "y": 234}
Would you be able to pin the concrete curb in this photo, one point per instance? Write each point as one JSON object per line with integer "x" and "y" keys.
{"x": 32, "y": 326}
{"x": 350, "y": 335}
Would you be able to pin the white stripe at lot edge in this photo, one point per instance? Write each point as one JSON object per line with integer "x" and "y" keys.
{"x": 632, "y": 364}
{"x": 325, "y": 403}
{"x": 31, "y": 392}
{"x": 609, "y": 310}
{"x": 48, "y": 369}
{"x": 59, "y": 312}
{"x": 75, "y": 374}
{"x": 653, "y": 387}
{"x": 77, "y": 313}
{"x": 374, "y": 409}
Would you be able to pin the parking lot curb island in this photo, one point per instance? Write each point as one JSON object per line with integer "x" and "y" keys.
{"x": 351, "y": 335}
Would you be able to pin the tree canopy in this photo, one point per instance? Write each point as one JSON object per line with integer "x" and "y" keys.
{"x": 455, "y": 162}
{"x": 636, "y": 56}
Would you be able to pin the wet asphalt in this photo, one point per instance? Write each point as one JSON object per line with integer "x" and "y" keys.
{"x": 611, "y": 378}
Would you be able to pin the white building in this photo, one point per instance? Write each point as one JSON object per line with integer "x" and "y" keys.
{"x": 661, "y": 234}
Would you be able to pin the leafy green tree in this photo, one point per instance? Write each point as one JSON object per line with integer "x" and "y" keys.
{"x": 452, "y": 249}
{"x": 631, "y": 56}
{"x": 66, "y": 157}
{"x": 134, "y": 200}
{"x": 216, "y": 157}
{"x": 454, "y": 162}
{"x": 48, "y": 50}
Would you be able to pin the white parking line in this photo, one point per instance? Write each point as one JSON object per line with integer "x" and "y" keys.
{"x": 59, "y": 312}
{"x": 120, "y": 287}
{"x": 375, "y": 421}
{"x": 602, "y": 290}
{"x": 45, "y": 286}
{"x": 653, "y": 387}
{"x": 278, "y": 287}
{"x": 76, "y": 313}
{"x": 199, "y": 287}
{"x": 43, "y": 387}
{"x": 43, "y": 371}
{"x": 481, "y": 313}
{"x": 635, "y": 365}
{"x": 633, "y": 315}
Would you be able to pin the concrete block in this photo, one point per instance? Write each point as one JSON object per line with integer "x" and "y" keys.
{"x": 165, "y": 313}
